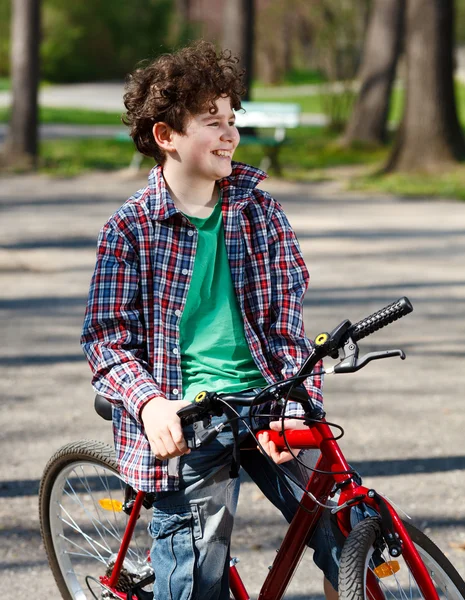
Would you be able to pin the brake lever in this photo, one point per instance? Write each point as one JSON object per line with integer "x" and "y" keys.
{"x": 352, "y": 363}
{"x": 204, "y": 433}
{"x": 190, "y": 414}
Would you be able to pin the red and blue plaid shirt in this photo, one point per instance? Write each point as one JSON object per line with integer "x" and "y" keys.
{"x": 145, "y": 259}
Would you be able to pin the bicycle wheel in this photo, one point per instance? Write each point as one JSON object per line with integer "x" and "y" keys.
{"x": 82, "y": 523}
{"x": 361, "y": 562}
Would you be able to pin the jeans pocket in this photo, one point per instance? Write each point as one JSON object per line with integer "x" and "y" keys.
{"x": 173, "y": 554}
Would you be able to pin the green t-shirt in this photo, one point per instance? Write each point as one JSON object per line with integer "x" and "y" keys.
{"x": 215, "y": 355}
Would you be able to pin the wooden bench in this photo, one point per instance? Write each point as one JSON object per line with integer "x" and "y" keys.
{"x": 257, "y": 115}
{"x": 268, "y": 115}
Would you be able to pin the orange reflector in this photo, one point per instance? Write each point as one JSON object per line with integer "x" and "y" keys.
{"x": 386, "y": 569}
{"x": 108, "y": 504}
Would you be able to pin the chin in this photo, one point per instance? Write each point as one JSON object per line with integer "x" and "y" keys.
{"x": 225, "y": 171}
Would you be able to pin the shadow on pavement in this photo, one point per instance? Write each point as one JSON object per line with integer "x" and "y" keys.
{"x": 370, "y": 468}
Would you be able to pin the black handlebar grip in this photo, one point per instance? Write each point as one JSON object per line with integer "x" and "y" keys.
{"x": 380, "y": 319}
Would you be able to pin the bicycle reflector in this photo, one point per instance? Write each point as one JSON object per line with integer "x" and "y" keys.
{"x": 109, "y": 504}
{"x": 386, "y": 569}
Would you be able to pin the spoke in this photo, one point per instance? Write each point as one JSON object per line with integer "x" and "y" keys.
{"x": 98, "y": 509}
{"x": 116, "y": 533}
{"x": 111, "y": 532}
{"x": 75, "y": 527}
{"x": 87, "y": 553}
{"x": 88, "y": 536}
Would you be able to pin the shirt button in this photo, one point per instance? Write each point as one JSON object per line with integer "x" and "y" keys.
{"x": 175, "y": 391}
{"x": 178, "y": 313}
{"x": 175, "y": 351}
{"x": 184, "y": 271}
{"x": 190, "y": 233}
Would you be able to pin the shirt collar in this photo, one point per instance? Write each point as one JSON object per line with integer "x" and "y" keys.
{"x": 237, "y": 186}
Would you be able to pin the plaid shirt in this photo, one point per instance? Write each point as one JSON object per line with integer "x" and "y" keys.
{"x": 145, "y": 259}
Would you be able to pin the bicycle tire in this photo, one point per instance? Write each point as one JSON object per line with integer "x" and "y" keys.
{"x": 80, "y": 537}
{"x": 356, "y": 559}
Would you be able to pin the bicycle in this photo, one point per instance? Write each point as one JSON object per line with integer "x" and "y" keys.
{"x": 91, "y": 522}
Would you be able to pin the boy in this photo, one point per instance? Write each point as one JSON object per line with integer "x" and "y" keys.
{"x": 198, "y": 286}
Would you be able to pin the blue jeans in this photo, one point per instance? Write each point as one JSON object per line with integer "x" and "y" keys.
{"x": 192, "y": 527}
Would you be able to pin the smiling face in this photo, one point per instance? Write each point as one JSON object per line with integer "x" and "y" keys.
{"x": 205, "y": 149}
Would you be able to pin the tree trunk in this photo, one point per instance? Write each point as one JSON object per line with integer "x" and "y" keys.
{"x": 430, "y": 137}
{"x": 22, "y": 141}
{"x": 238, "y": 35}
{"x": 368, "y": 121}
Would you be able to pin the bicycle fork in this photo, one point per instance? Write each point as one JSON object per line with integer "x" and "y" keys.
{"x": 396, "y": 538}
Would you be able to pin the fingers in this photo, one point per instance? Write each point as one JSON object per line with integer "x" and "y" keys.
{"x": 288, "y": 424}
{"x": 169, "y": 443}
{"x": 163, "y": 428}
{"x": 278, "y": 456}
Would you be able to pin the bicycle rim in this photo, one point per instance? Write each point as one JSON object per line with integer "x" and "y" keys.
{"x": 85, "y": 526}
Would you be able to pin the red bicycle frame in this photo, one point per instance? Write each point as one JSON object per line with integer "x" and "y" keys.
{"x": 303, "y": 525}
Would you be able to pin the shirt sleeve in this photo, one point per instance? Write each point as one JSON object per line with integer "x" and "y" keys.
{"x": 113, "y": 336}
{"x": 289, "y": 281}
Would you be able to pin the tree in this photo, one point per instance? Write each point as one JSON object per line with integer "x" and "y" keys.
{"x": 22, "y": 141}
{"x": 430, "y": 137}
{"x": 380, "y": 56}
{"x": 238, "y": 35}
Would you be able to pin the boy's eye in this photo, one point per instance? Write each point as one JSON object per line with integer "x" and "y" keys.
{"x": 214, "y": 124}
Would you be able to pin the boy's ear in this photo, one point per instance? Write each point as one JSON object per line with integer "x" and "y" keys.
{"x": 163, "y": 136}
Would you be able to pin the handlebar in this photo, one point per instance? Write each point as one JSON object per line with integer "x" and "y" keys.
{"x": 380, "y": 319}
{"x": 341, "y": 342}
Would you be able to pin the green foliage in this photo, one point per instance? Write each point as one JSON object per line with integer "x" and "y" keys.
{"x": 340, "y": 30}
{"x": 304, "y": 76}
{"x": 5, "y": 12}
{"x": 103, "y": 39}
{"x": 71, "y": 116}
{"x": 98, "y": 40}
{"x": 459, "y": 21}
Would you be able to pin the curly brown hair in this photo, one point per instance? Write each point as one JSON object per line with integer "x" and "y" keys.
{"x": 176, "y": 86}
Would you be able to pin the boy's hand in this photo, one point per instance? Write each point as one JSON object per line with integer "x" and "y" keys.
{"x": 280, "y": 456}
{"x": 163, "y": 427}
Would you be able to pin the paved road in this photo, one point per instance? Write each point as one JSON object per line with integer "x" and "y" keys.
{"x": 404, "y": 421}
{"x": 108, "y": 96}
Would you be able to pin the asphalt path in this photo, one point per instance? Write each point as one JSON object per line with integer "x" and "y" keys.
{"x": 108, "y": 97}
{"x": 404, "y": 421}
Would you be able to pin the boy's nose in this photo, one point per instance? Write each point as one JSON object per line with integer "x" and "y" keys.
{"x": 230, "y": 133}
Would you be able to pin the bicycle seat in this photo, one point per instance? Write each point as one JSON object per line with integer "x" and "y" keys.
{"x": 103, "y": 407}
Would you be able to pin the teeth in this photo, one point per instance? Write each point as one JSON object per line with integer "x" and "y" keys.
{"x": 222, "y": 153}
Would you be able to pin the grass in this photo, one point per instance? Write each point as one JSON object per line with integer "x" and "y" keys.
{"x": 308, "y": 103}
{"x": 450, "y": 184}
{"x": 71, "y": 116}
{"x": 307, "y": 150}
{"x": 310, "y": 153}
{"x": 70, "y": 157}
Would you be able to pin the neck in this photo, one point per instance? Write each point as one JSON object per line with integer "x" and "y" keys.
{"x": 194, "y": 198}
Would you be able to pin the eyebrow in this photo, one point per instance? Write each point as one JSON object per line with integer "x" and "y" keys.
{"x": 232, "y": 117}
